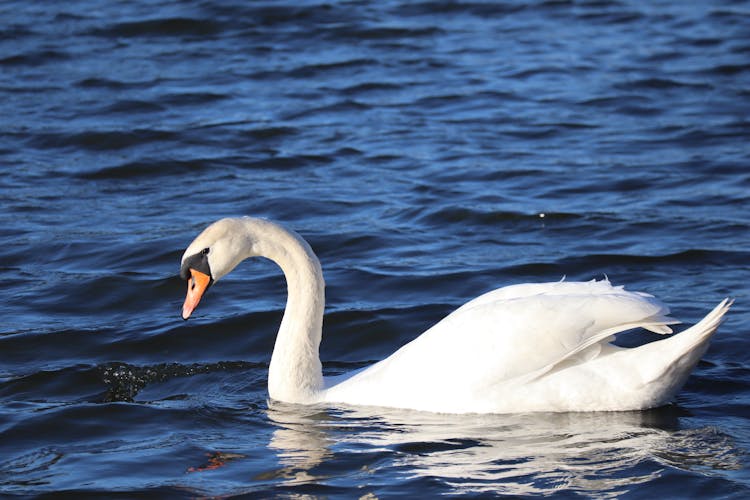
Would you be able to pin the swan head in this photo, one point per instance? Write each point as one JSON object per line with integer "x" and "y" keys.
{"x": 212, "y": 255}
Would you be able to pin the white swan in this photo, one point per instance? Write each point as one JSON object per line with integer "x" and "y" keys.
{"x": 528, "y": 347}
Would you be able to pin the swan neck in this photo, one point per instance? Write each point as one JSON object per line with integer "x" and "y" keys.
{"x": 295, "y": 373}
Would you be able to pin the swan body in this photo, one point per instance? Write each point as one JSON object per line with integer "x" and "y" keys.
{"x": 528, "y": 347}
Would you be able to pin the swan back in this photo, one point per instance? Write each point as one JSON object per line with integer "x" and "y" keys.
{"x": 490, "y": 354}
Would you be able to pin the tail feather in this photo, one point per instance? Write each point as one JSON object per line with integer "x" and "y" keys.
{"x": 705, "y": 328}
{"x": 687, "y": 347}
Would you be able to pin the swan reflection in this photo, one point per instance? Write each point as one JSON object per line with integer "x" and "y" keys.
{"x": 602, "y": 453}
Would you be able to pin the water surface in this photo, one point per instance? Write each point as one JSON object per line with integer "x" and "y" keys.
{"x": 429, "y": 151}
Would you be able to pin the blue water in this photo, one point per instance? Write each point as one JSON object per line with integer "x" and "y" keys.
{"x": 429, "y": 151}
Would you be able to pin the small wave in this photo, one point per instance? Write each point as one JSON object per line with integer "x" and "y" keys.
{"x": 539, "y": 70}
{"x": 384, "y": 33}
{"x": 101, "y": 140}
{"x": 344, "y": 107}
{"x": 371, "y": 87}
{"x": 146, "y": 168}
{"x": 660, "y": 84}
{"x": 15, "y": 32}
{"x": 103, "y": 83}
{"x": 611, "y": 17}
{"x": 613, "y": 100}
{"x": 125, "y": 381}
{"x": 461, "y": 215}
{"x": 176, "y": 26}
{"x": 133, "y": 106}
{"x": 272, "y": 132}
{"x": 728, "y": 69}
{"x": 191, "y": 98}
{"x": 312, "y": 70}
{"x": 478, "y": 9}
{"x": 37, "y": 58}
{"x": 284, "y": 163}
{"x": 30, "y": 469}
{"x": 613, "y": 263}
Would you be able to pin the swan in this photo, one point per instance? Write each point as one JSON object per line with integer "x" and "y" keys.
{"x": 521, "y": 348}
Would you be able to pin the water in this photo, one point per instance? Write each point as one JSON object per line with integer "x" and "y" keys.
{"x": 429, "y": 151}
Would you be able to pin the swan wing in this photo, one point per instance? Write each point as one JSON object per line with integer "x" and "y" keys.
{"x": 510, "y": 335}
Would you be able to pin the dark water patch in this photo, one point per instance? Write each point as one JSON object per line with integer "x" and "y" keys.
{"x": 218, "y": 332}
{"x": 65, "y": 385}
{"x": 371, "y": 88}
{"x": 698, "y": 137}
{"x": 36, "y": 58}
{"x": 644, "y": 111}
{"x": 441, "y": 100}
{"x": 376, "y": 331}
{"x": 270, "y": 18}
{"x": 718, "y": 387}
{"x": 572, "y": 126}
{"x": 105, "y": 425}
{"x": 63, "y": 17}
{"x": 67, "y": 293}
{"x": 290, "y": 206}
{"x": 660, "y": 83}
{"x": 128, "y": 106}
{"x": 318, "y": 69}
{"x": 613, "y": 16}
{"x": 340, "y": 108}
{"x": 377, "y": 33}
{"x": 161, "y": 27}
{"x": 15, "y": 31}
{"x": 102, "y": 140}
{"x": 314, "y": 489}
{"x": 474, "y": 217}
{"x": 694, "y": 256}
{"x": 267, "y": 133}
{"x": 146, "y": 169}
{"x": 533, "y": 132}
{"x": 285, "y": 163}
{"x": 422, "y": 448}
{"x": 478, "y": 9}
{"x": 22, "y": 349}
{"x": 729, "y": 15}
{"x": 728, "y": 69}
{"x": 620, "y": 264}
{"x": 191, "y": 98}
{"x": 106, "y": 83}
{"x": 513, "y": 174}
{"x": 348, "y": 152}
{"x": 528, "y": 73}
{"x": 705, "y": 41}
{"x": 615, "y": 101}
{"x": 359, "y": 243}
{"x": 250, "y": 337}
{"x": 30, "y": 470}
{"x": 101, "y": 492}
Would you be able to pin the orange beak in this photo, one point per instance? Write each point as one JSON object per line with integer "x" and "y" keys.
{"x": 197, "y": 285}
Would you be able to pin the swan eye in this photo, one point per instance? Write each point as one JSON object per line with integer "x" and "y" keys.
{"x": 205, "y": 251}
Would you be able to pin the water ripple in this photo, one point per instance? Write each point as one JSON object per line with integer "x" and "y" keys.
{"x": 429, "y": 151}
